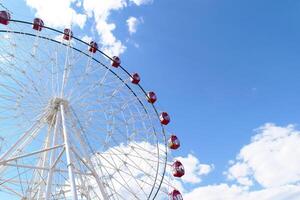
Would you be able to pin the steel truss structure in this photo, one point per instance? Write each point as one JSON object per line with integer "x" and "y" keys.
{"x": 73, "y": 126}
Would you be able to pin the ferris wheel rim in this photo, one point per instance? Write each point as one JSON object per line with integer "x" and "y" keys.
{"x": 111, "y": 71}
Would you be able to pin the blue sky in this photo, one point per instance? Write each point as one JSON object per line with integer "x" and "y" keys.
{"x": 222, "y": 69}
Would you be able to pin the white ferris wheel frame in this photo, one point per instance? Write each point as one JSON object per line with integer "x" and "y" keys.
{"x": 58, "y": 113}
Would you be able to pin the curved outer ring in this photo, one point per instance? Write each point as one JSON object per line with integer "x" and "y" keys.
{"x": 122, "y": 68}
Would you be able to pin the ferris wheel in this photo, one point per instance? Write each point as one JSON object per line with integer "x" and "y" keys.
{"x": 75, "y": 123}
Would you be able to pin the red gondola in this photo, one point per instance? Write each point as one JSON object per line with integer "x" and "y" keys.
{"x": 151, "y": 97}
{"x": 93, "y": 47}
{"x": 175, "y": 195}
{"x": 68, "y": 34}
{"x": 4, "y": 17}
{"x": 38, "y": 24}
{"x": 178, "y": 169}
{"x": 116, "y": 61}
{"x": 135, "y": 78}
{"x": 164, "y": 118}
{"x": 173, "y": 142}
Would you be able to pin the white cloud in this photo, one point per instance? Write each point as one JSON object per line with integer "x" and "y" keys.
{"x": 137, "y": 164}
{"x": 141, "y": 2}
{"x": 193, "y": 169}
{"x": 132, "y": 23}
{"x": 57, "y": 13}
{"x": 86, "y": 39}
{"x": 129, "y": 170}
{"x": 78, "y": 3}
{"x": 240, "y": 171}
{"x": 271, "y": 159}
{"x": 60, "y": 13}
{"x": 101, "y": 10}
{"x": 234, "y": 192}
{"x": 215, "y": 192}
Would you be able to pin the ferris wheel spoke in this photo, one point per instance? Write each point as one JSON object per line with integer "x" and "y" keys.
{"x": 112, "y": 166}
{"x": 23, "y": 56}
{"x": 11, "y": 190}
{"x": 41, "y": 64}
{"x": 86, "y": 156}
{"x": 117, "y": 171}
{"x": 8, "y": 180}
{"x": 92, "y": 87}
{"x": 136, "y": 180}
{"x": 67, "y": 69}
{"x": 129, "y": 173}
{"x": 27, "y": 136}
{"x": 115, "y": 91}
{"x": 150, "y": 184}
{"x": 82, "y": 183}
{"x": 82, "y": 76}
{"x": 10, "y": 89}
{"x": 39, "y": 174}
{"x": 126, "y": 136}
{"x": 120, "y": 152}
{"x": 116, "y": 142}
{"x": 135, "y": 165}
{"x": 10, "y": 76}
{"x": 100, "y": 105}
{"x": 136, "y": 156}
{"x": 88, "y": 166}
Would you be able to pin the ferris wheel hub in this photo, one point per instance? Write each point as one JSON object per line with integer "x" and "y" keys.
{"x": 53, "y": 107}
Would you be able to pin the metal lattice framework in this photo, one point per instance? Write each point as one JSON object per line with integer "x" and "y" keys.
{"x": 73, "y": 126}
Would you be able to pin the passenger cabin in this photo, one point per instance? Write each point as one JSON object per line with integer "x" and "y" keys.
{"x": 151, "y": 97}
{"x": 174, "y": 142}
{"x": 38, "y": 24}
{"x": 68, "y": 34}
{"x": 4, "y": 17}
{"x": 178, "y": 169}
{"x": 164, "y": 118}
{"x": 116, "y": 61}
{"x": 135, "y": 78}
{"x": 175, "y": 195}
{"x": 93, "y": 47}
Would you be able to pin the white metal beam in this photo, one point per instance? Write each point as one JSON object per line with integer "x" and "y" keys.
{"x": 68, "y": 154}
{"x": 89, "y": 163}
{"x": 52, "y": 160}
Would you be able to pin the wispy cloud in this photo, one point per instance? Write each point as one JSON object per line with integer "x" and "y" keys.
{"x": 57, "y": 13}
{"x": 132, "y": 23}
{"x": 62, "y": 13}
{"x": 194, "y": 169}
{"x": 141, "y": 2}
{"x": 270, "y": 161}
{"x": 271, "y": 158}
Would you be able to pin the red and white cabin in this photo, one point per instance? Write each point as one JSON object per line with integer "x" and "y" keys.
{"x": 116, "y": 61}
{"x": 164, "y": 118}
{"x": 135, "y": 78}
{"x": 68, "y": 34}
{"x": 93, "y": 47}
{"x": 173, "y": 142}
{"x": 175, "y": 195}
{"x": 4, "y": 17}
{"x": 178, "y": 169}
{"x": 38, "y": 24}
{"x": 151, "y": 97}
